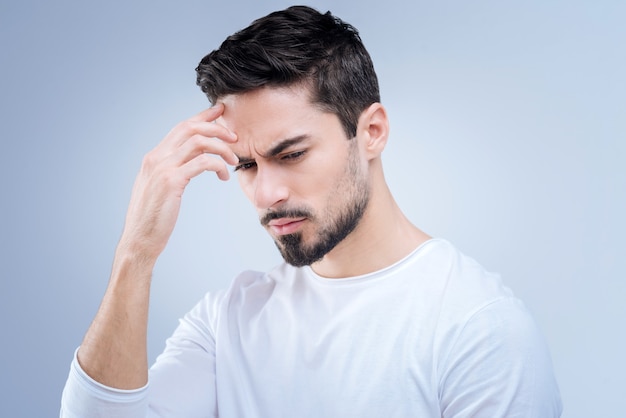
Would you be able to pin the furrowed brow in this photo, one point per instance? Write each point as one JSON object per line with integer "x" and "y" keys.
{"x": 275, "y": 149}
{"x": 284, "y": 144}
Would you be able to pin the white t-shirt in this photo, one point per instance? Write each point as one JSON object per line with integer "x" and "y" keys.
{"x": 433, "y": 335}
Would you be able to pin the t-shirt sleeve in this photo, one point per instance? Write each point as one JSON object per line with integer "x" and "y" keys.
{"x": 499, "y": 366}
{"x": 181, "y": 381}
{"x": 84, "y": 397}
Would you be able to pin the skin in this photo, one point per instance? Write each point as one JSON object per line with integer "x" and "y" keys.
{"x": 290, "y": 154}
{"x": 301, "y": 163}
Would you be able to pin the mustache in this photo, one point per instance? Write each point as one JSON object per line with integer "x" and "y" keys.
{"x": 284, "y": 213}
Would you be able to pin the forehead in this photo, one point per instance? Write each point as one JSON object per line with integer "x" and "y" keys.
{"x": 262, "y": 117}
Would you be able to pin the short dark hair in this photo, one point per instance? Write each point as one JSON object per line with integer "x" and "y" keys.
{"x": 296, "y": 45}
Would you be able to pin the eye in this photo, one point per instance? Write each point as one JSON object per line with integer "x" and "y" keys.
{"x": 293, "y": 155}
{"x": 245, "y": 166}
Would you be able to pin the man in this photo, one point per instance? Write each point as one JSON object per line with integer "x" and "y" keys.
{"x": 368, "y": 317}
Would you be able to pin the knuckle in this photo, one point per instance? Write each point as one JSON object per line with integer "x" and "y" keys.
{"x": 198, "y": 143}
{"x": 186, "y": 126}
{"x": 169, "y": 180}
{"x": 207, "y": 160}
{"x": 149, "y": 161}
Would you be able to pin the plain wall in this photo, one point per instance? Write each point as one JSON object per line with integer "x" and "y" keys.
{"x": 508, "y": 138}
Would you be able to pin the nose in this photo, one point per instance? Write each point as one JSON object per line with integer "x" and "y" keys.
{"x": 269, "y": 188}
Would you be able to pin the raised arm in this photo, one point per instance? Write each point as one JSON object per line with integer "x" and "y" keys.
{"x": 113, "y": 351}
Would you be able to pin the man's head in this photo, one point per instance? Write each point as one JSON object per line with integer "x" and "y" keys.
{"x": 298, "y": 45}
{"x": 300, "y": 92}
{"x": 309, "y": 184}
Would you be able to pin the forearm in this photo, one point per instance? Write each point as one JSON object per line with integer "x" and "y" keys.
{"x": 114, "y": 350}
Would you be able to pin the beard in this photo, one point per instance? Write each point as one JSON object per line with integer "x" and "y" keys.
{"x": 338, "y": 220}
{"x": 297, "y": 253}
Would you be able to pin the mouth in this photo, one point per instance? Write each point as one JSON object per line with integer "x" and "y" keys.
{"x": 285, "y": 226}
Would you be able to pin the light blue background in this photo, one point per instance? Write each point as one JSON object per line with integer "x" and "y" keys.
{"x": 508, "y": 138}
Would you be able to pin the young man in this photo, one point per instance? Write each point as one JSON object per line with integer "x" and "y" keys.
{"x": 368, "y": 317}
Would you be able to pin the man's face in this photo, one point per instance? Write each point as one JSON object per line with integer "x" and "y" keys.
{"x": 306, "y": 179}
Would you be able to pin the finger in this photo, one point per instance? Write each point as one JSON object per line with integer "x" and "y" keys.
{"x": 204, "y": 124}
{"x": 210, "y": 114}
{"x": 199, "y": 144}
{"x": 187, "y": 129}
{"x": 205, "y": 162}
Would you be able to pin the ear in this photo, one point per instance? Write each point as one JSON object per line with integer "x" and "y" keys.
{"x": 373, "y": 130}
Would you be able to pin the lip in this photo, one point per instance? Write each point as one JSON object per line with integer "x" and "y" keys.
{"x": 284, "y": 226}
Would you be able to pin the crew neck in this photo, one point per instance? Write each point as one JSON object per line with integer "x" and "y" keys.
{"x": 367, "y": 277}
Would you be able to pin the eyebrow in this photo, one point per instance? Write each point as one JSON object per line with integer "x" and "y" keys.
{"x": 277, "y": 148}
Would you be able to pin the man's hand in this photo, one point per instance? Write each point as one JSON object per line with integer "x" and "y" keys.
{"x": 192, "y": 147}
{"x": 114, "y": 350}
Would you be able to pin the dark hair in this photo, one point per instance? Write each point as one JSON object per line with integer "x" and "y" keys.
{"x": 296, "y": 45}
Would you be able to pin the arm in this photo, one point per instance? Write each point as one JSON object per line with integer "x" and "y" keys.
{"x": 189, "y": 361}
{"x": 114, "y": 351}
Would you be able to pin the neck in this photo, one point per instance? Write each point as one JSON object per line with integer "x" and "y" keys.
{"x": 383, "y": 237}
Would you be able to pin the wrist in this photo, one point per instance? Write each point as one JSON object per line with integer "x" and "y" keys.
{"x": 133, "y": 261}
{"x": 137, "y": 252}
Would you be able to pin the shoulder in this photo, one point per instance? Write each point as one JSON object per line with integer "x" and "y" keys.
{"x": 497, "y": 363}
{"x": 474, "y": 303}
{"x": 247, "y": 285}
{"x": 455, "y": 282}
{"x": 258, "y": 282}
{"x": 491, "y": 357}
{"x": 249, "y": 289}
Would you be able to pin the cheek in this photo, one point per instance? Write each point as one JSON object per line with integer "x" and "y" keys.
{"x": 246, "y": 185}
{"x": 312, "y": 186}
{"x": 323, "y": 171}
